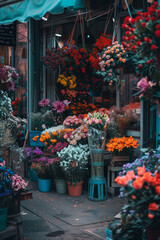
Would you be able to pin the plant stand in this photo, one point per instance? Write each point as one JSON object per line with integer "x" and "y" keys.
{"x": 112, "y": 174}
{"x": 97, "y": 189}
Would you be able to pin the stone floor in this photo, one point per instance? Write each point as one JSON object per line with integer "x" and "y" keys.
{"x": 54, "y": 216}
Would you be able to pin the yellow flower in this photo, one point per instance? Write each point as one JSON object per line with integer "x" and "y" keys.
{"x": 35, "y": 138}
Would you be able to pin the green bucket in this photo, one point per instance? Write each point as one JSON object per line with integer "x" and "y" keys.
{"x": 3, "y": 218}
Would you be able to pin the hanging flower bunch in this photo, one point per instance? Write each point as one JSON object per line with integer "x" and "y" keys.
{"x": 117, "y": 145}
{"x": 8, "y": 78}
{"x": 98, "y": 120}
{"x": 67, "y": 82}
{"x": 142, "y": 40}
{"x": 143, "y": 31}
{"x": 111, "y": 59}
{"x": 102, "y": 42}
{"x": 53, "y": 58}
{"x": 82, "y": 108}
{"x": 77, "y": 63}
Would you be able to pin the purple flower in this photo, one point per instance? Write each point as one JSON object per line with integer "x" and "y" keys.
{"x": 59, "y": 106}
{"x": 44, "y": 102}
{"x": 38, "y": 151}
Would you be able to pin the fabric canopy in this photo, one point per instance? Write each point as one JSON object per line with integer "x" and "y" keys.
{"x": 26, "y": 9}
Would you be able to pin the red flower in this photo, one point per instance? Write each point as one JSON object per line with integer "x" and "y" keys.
{"x": 131, "y": 20}
{"x": 158, "y": 13}
{"x": 153, "y": 207}
{"x": 138, "y": 18}
{"x": 153, "y": 47}
{"x": 124, "y": 26}
{"x": 127, "y": 33}
{"x": 139, "y": 43}
{"x": 158, "y": 190}
{"x": 157, "y": 33}
{"x": 147, "y": 40}
{"x": 139, "y": 13}
{"x": 146, "y": 19}
{"x": 143, "y": 24}
{"x": 148, "y": 62}
{"x": 151, "y": 10}
{"x": 140, "y": 66}
{"x": 158, "y": 26}
{"x": 153, "y": 19}
{"x": 83, "y": 70}
{"x": 155, "y": 4}
{"x": 133, "y": 37}
{"x": 71, "y": 68}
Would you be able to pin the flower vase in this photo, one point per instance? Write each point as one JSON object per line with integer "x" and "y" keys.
{"x": 61, "y": 187}
{"x": 96, "y": 139}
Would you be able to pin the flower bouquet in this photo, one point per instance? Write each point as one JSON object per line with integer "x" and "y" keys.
{"x": 141, "y": 215}
{"x": 79, "y": 135}
{"x": 72, "y": 122}
{"x": 97, "y": 123}
{"x": 73, "y": 160}
{"x": 53, "y": 58}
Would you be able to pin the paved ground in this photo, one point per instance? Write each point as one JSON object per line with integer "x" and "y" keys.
{"x": 52, "y": 216}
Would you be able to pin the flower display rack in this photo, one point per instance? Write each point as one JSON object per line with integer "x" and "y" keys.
{"x": 113, "y": 188}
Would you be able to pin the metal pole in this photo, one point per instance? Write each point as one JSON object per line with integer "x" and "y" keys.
{"x": 126, "y": 1}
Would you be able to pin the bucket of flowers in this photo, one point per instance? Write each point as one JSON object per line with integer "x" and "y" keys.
{"x": 121, "y": 147}
{"x": 73, "y": 160}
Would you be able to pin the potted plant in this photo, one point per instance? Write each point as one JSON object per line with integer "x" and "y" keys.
{"x": 45, "y": 177}
{"x": 60, "y": 178}
{"x": 18, "y": 185}
{"x": 5, "y": 193}
{"x": 140, "y": 216}
{"x": 73, "y": 160}
{"x": 33, "y": 154}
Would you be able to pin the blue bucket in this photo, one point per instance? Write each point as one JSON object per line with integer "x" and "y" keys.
{"x": 32, "y": 175}
{"x": 3, "y": 218}
{"x": 33, "y": 143}
{"x": 44, "y": 185}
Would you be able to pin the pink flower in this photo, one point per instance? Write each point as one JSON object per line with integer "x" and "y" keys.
{"x": 97, "y": 121}
{"x": 44, "y": 102}
{"x": 143, "y": 84}
{"x": 59, "y": 106}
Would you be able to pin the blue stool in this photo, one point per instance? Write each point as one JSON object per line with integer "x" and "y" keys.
{"x": 97, "y": 189}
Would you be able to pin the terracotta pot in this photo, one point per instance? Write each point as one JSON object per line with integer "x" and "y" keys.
{"x": 153, "y": 234}
{"x": 76, "y": 190}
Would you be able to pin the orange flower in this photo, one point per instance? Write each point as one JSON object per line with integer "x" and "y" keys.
{"x": 153, "y": 206}
{"x": 153, "y": 182}
{"x": 47, "y": 136}
{"x": 42, "y": 138}
{"x": 133, "y": 197}
{"x": 35, "y": 138}
{"x": 151, "y": 216}
{"x": 147, "y": 176}
{"x": 140, "y": 170}
{"x": 53, "y": 140}
{"x": 158, "y": 190}
{"x": 131, "y": 174}
{"x": 123, "y": 181}
{"x": 54, "y": 133}
{"x": 138, "y": 183}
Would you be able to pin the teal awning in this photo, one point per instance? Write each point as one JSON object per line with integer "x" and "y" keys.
{"x": 26, "y": 9}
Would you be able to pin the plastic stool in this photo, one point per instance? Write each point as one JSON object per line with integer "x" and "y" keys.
{"x": 97, "y": 189}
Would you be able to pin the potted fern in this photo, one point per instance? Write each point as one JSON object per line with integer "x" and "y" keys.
{"x": 73, "y": 160}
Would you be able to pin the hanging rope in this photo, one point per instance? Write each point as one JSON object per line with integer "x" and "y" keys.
{"x": 74, "y": 26}
{"x": 82, "y": 30}
{"x": 108, "y": 19}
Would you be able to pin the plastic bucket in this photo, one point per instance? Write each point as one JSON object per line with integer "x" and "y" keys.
{"x": 44, "y": 185}
{"x": 3, "y": 218}
{"x": 61, "y": 186}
